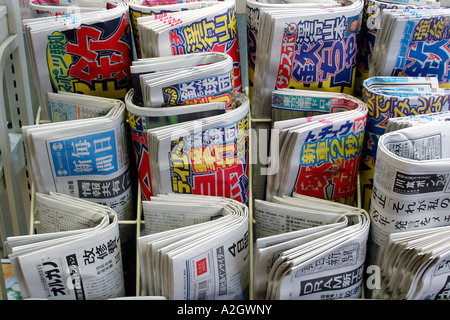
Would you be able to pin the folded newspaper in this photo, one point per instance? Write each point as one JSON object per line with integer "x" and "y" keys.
{"x": 316, "y": 155}
{"x": 197, "y": 248}
{"x": 43, "y": 8}
{"x": 78, "y": 255}
{"x": 86, "y": 158}
{"x": 302, "y": 252}
{"x": 392, "y": 97}
{"x": 411, "y": 183}
{"x": 212, "y": 28}
{"x": 416, "y": 266}
{"x": 413, "y": 42}
{"x": 87, "y": 53}
{"x": 184, "y": 79}
{"x": 305, "y": 48}
{"x": 208, "y": 156}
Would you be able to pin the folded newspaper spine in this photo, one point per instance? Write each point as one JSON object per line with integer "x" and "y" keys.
{"x": 78, "y": 255}
{"x": 393, "y": 97}
{"x": 195, "y": 248}
{"x": 295, "y": 47}
{"x": 302, "y": 252}
{"x": 88, "y": 53}
{"x": 85, "y": 156}
{"x": 210, "y": 28}
{"x": 316, "y": 147}
{"x": 410, "y": 192}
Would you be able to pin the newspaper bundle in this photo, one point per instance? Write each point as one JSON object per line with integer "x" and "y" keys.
{"x": 87, "y": 53}
{"x": 78, "y": 255}
{"x": 392, "y": 97}
{"x": 198, "y": 248}
{"x": 143, "y": 8}
{"x": 411, "y": 183}
{"x": 316, "y": 153}
{"x": 253, "y": 8}
{"x": 312, "y": 49}
{"x": 416, "y": 266}
{"x": 370, "y": 26}
{"x": 208, "y": 156}
{"x": 212, "y": 28}
{"x": 303, "y": 252}
{"x": 43, "y": 8}
{"x": 413, "y": 42}
{"x": 86, "y": 158}
{"x": 184, "y": 79}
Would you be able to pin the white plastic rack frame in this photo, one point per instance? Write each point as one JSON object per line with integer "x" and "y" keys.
{"x": 15, "y": 111}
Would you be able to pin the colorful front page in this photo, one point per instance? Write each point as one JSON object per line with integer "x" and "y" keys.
{"x": 87, "y": 54}
{"x": 306, "y": 49}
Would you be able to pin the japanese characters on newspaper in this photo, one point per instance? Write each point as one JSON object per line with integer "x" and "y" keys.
{"x": 212, "y": 28}
{"x": 86, "y": 158}
{"x": 253, "y": 8}
{"x": 197, "y": 248}
{"x": 295, "y": 49}
{"x": 78, "y": 255}
{"x": 150, "y": 8}
{"x": 411, "y": 184}
{"x": 204, "y": 157}
{"x": 43, "y": 8}
{"x": 370, "y": 26}
{"x": 87, "y": 53}
{"x": 423, "y": 255}
{"x": 302, "y": 252}
{"x": 184, "y": 79}
{"x": 413, "y": 42}
{"x": 316, "y": 151}
{"x": 392, "y": 97}
{"x": 192, "y": 86}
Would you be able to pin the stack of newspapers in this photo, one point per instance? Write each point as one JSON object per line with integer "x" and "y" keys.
{"x": 304, "y": 48}
{"x": 305, "y": 253}
{"x": 393, "y": 97}
{"x": 411, "y": 180}
{"x": 42, "y": 8}
{"x": 416, "y": 266}
{"x": 76, "y": 257}
{"x": 86, "y": 155}
{"x": 87, "y": 53}
{"x": 195, "y": 248}
{"x": 316, "y": 149}
{"x": 253, "y": 13}
{"x": 184, "y": 79}
{"x": 413, "y": 42}
{"x": 189, "y": 127}
{"x": 409, "y": 211}
{"x": 370, "y": 25}
{"x": 208, "y": 156}
{"x": 211, "y": 27}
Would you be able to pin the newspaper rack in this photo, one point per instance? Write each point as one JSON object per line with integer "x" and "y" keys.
{"x": 15, "y": 107}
